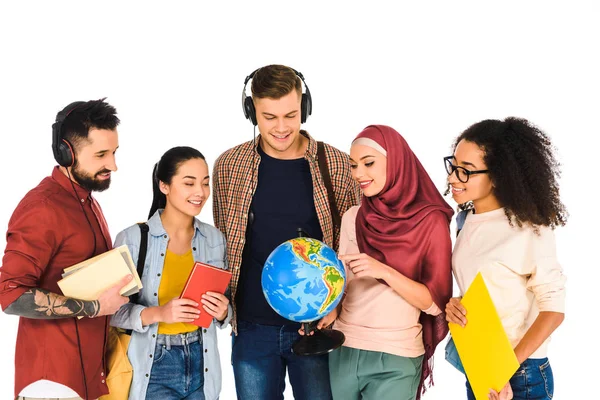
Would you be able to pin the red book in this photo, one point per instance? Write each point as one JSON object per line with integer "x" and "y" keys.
{"x": 204, "y": 278}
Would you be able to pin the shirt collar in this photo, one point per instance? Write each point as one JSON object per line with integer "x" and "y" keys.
{"x": 156, "y": 227}
{"x": 67, "y": 184}
{"x": 311, "y": 149}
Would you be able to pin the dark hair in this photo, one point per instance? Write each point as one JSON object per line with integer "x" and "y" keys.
{"x": 274, "y": 82}
{"x": 165, "y": 169}
{"x": 96, "y": 114}
{"x": 523, "y": 169}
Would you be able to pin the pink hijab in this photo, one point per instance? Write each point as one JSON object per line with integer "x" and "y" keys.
{"x": 406, "y": 226}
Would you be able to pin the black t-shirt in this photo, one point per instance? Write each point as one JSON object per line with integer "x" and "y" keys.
{"x": 282, "y": 203}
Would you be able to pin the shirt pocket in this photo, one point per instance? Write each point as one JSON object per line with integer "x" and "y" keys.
{"x": 217, "y": 262}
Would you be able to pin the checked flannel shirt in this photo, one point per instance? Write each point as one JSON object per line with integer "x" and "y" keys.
{"x": 235, "y": 177}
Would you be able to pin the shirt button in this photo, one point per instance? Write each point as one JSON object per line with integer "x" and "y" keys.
{"x": 103, "y": 381}
{"x": 150, "y": 355}
{"x": 101, "y": 373}
{"x": 153, "y": 335}
{"x": 205, "y": 369}
{"x": 83, "y": 200}
{"x": 157, "y": 274}
{"x": 205, "y": 331}
{"x": 155, "y": 294}
{"x": 165, "y": 236}
{"x": 206, "y": 350}
{"x": 147, "y": 375}
{"x": 193, "y": 248}
{"x": 162, "y": 254}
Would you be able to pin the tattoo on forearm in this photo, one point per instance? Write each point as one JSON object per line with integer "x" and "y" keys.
{"x": 41, "y": 304}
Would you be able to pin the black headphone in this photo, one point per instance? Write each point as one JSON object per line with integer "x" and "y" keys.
{"x": 250, "y": 111}
{"x": 61, "y": 148}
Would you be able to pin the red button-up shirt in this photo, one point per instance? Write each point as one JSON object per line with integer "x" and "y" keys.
{"x": 47, "y": 233}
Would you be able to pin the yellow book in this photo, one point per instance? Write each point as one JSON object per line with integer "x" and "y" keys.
{"x": 484, "y": 349}
{"x": 88, "y": 279}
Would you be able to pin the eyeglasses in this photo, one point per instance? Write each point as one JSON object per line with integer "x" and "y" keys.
{"x": 461, "y": 173}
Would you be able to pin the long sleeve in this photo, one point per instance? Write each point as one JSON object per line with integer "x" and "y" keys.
{"x": 31, "y": 242}
{"x": 219, "y": 195}
{"x": 546, "y": 280}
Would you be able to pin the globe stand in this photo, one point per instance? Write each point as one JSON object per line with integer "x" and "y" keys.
{"x": 322, "y": 341}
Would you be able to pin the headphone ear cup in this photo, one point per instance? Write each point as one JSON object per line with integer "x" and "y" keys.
{"x": 65, "y": 154}
{"x": 249, "y": 110}
{"x": 305, "y": 108}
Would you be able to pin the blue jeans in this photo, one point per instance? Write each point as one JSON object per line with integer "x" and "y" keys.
{"x": 260, "y": 355}
{"x": 532, "y": 381}
{"x": 177, "y": 372}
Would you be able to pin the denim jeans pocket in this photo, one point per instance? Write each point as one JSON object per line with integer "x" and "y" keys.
{"x": 160, "y": 351}
{"x": 533, "y": 380}
{"x": 548, "y": 378}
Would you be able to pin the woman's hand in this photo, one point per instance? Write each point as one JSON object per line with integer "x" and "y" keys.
{"x": 455, "y": 312}
{"x": 323, "y": 322}
{"x": 215, "y": 304}
{"x": 178, "y": 310}
{"x": 505, "y": 394}
{"x": 365, "y": 265}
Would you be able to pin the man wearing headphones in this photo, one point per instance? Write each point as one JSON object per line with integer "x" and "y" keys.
{"x": 264, "y": 191}
{"x": 60, "y": 349}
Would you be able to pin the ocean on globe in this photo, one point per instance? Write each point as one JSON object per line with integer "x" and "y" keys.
{"x": 303, "y": 280}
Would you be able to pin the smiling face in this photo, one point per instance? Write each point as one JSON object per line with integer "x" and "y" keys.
{"x": 479, "y": 188}
{"x": 279, "y": 125}
{"x": 369, "y": 168}
{"x": 189, "y": 188}
{"x": 95, "y": 159}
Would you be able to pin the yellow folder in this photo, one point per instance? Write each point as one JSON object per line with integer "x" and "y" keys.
{"x": 484, "y": 349}
{"x": 88, "y": 279}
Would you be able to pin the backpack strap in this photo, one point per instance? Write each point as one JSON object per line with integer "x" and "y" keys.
{"x": 324, "y": 168}
{"x": 141, "y": 260}
{"x": 141, "y": 256}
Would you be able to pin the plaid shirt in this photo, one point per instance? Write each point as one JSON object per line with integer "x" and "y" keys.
{"x": 235, "y": 176}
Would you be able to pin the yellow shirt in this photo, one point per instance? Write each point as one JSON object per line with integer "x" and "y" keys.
{"x": 174, "y": 276}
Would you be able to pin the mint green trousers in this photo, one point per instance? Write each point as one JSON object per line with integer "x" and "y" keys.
{"x": 361, "y": 374}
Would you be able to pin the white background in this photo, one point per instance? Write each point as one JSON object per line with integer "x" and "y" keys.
{"x": 175, "y": 72}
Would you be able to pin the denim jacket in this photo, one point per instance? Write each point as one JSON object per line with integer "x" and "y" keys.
{"x": 208, "y": 245}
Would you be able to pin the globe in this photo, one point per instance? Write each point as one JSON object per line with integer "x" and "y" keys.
{"x": 303, "y": 280}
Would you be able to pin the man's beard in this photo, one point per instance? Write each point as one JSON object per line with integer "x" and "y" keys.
{"x": 89, "y": 182}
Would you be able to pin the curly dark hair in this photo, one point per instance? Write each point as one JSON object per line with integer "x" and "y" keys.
{"x": 523, "y": 169}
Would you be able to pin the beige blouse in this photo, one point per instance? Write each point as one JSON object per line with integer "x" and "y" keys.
{"x": 373, "y": 316}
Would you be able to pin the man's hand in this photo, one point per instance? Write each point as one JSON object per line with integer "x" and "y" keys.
{"x": 110, "y": 300}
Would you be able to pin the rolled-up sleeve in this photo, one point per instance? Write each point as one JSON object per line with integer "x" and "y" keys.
{"x": 547, "y": 281}
{"x": 129, "y": 316}
{"x": 31, "y": 241}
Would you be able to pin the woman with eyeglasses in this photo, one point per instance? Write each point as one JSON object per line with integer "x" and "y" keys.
{"x": 505, "y": 174}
